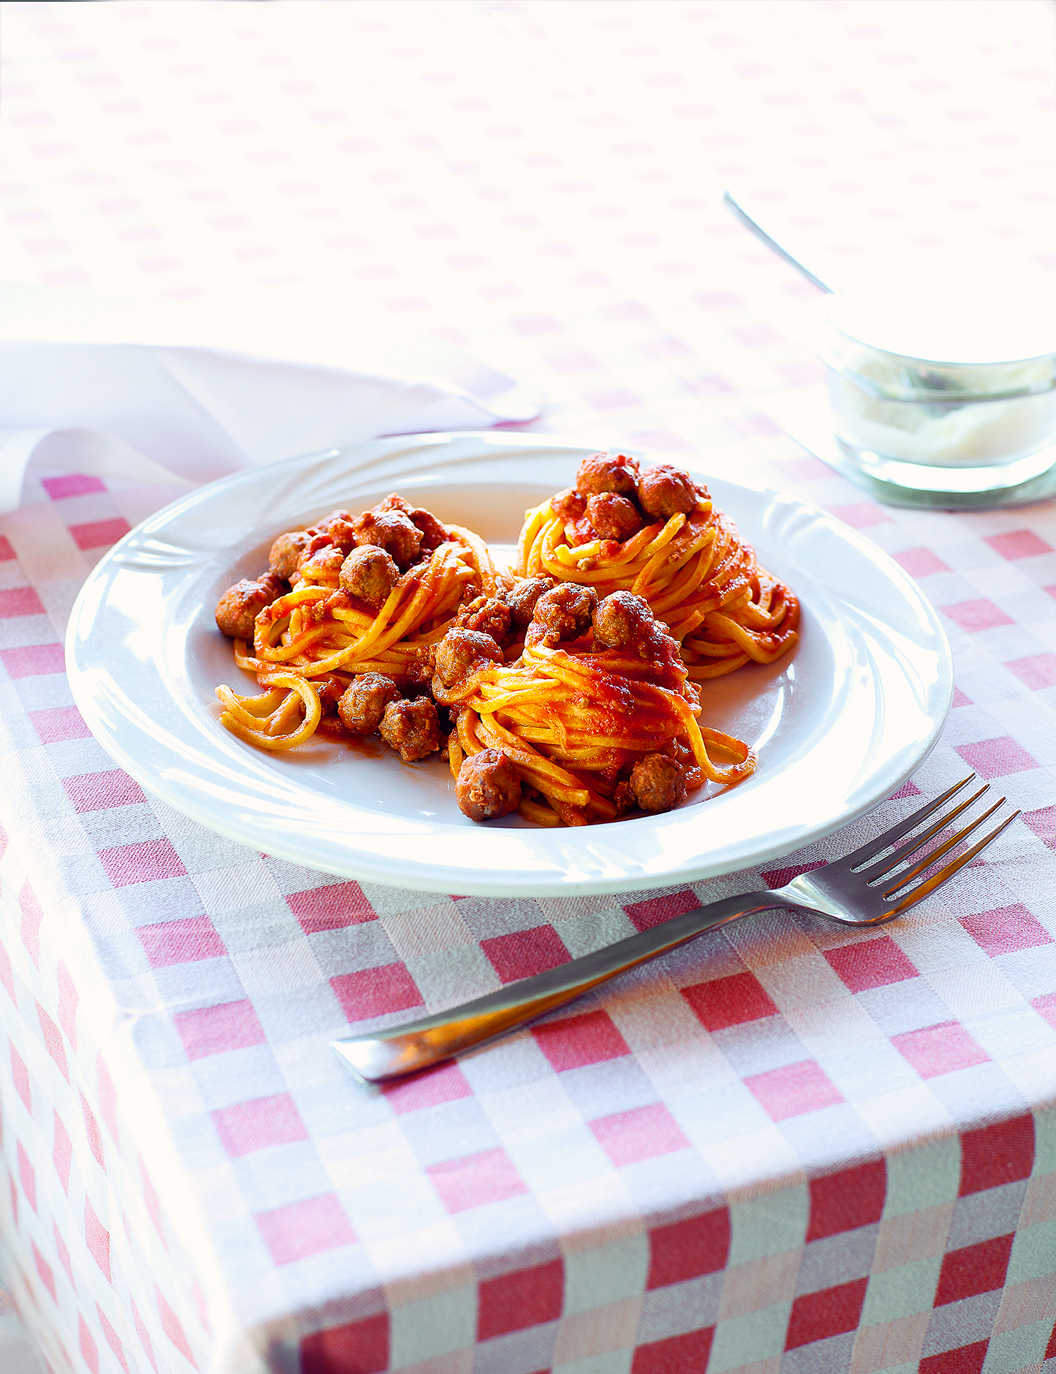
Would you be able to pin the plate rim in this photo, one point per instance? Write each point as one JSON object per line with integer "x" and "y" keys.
{"x": 463, "y": 881}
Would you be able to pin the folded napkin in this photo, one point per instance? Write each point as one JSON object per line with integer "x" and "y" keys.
{"x": 152, "y": 391}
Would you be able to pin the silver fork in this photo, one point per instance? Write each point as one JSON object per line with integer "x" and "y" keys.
{"x": 859, "y": 890}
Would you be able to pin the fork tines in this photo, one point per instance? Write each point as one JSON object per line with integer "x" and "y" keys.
{"x": 887, "y": 858}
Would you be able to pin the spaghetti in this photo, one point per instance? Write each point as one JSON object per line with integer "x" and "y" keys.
{"x": 561, "y": 694}
{"x": 656, "y": 534}
{"x": 590, "y": 729}
{"x": 349, "y": 610}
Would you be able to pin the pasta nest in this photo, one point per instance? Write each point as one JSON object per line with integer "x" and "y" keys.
{"x": 695, "y": 572}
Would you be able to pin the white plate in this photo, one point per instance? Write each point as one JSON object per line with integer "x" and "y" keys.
{"x": 838, "y": 725}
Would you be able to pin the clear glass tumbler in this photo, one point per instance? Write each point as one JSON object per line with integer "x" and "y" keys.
{"x": 935, "y": 395}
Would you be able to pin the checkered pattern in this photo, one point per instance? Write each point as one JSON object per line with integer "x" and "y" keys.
{"x": 791, "y": 1147}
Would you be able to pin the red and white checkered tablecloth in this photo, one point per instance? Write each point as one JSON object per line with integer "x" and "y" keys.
{"x": 790, "y": 1147}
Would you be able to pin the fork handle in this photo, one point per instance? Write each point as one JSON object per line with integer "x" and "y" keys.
{"x": 417, "y": 1044}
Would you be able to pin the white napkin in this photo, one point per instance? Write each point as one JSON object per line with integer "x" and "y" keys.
{"x": 152, "y": 391}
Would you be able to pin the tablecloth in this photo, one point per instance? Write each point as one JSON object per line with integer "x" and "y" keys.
{"x": 793, "y": 1147}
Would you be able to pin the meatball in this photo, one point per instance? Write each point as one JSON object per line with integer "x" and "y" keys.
{"x": 487, "y": 785}
{"x": 286, "y": 552}
{"x": 237, "y": 609}
{"x": 621, "y": 619}
{"x": 489, "y": 616}
{"x": 460, "y": 651}
{"x": 418, "y": 665}
{"x": 658, "y": 783}
{"x": 568, "y": 504}
{"x": 613, "y": 517}
{"x": 613, "y": 472}
{"x": 522, "y": 600}
{"x": 393, "y": 531}
{"x": 564, "y": 612}
{"x": 434, "y": 532}
{"x": 329, "y": 688}
{"x": 394, "y": 501}
{"x": 341, "y": 529}
{"x": 666, "y": 491}
{"x": 370, "y": 574}
{"x": 323, "y": 562}
{"x": 363, "y": 704}
{"x": 411, "y": 728}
